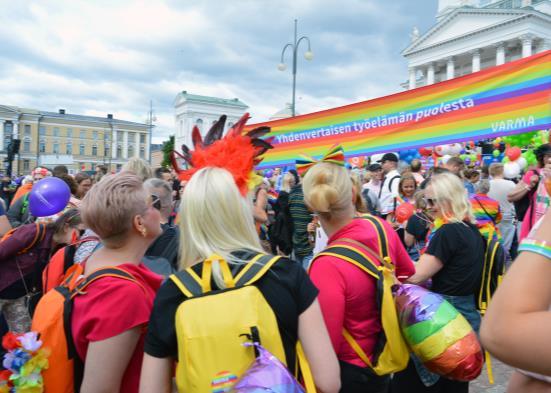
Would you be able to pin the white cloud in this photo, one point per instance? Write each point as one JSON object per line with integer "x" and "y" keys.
{"x": 114, "y": 57}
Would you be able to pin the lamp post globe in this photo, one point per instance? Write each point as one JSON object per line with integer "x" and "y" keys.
{"x": 308, "y": 55}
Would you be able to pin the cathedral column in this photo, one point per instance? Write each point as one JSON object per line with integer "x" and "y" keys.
{"x": 476, "y": 60}
{"x": 412, "y": 77}
{"x": 526, "y": 45}
{"x": 450, "y": 68}
{"x": 430, "y": 74}
{"x": 500, "y": 53}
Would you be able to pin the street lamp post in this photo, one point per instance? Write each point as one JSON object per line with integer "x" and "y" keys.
{"x": 308, "y": 55}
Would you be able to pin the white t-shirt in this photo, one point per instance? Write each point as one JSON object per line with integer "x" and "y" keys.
{"x": 389, "y": 191}
{"x": 499, "y": 189}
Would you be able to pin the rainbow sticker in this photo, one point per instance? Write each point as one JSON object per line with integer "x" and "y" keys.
{"x": 223, "y": 382}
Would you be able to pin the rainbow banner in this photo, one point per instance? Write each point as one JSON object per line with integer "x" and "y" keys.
{"x": 508, "y": 99}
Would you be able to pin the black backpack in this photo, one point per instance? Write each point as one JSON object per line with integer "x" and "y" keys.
{"x": 492, "y": 272}
{"x": 280, "y": 232}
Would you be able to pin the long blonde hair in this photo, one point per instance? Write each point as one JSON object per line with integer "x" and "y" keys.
{"x": 216, "y": 219}
{"x": 451, "y": 197}
{"x": 328, "y": 190}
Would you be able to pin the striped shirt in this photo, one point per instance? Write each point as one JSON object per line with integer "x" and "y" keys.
{"x": 301, "y": 218}
{"x": 487, "y": 213}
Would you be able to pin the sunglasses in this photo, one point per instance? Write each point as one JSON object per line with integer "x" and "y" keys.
{"x": 430, "y": 201}
{"x": 156, "y": 202}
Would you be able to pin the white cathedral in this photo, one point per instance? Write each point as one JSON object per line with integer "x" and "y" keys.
{"x": 470, "y": 35}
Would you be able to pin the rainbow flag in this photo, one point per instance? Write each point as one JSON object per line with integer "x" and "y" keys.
{"x": 508, "y": 99}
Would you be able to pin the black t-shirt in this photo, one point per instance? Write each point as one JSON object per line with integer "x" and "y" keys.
{"x": 417, "y": 227}
{"x": 166, "y": 245}
{"x": 286, "y": 287}
{"x": 461, "y": 249}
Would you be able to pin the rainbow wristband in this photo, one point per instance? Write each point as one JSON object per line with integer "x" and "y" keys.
{"x": 540, "y": 247}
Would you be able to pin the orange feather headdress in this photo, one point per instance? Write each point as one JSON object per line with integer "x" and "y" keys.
{"x": 236, "y": 152}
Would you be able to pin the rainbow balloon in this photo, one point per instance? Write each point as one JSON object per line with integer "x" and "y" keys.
{"x": 512, "y": 98}
{"x": 438, "y": 334}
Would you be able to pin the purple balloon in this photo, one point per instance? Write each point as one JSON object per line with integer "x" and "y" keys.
{"x": 49, "y": 196}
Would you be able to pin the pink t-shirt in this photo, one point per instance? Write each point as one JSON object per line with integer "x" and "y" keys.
{"x": 112, "y": 306}
{"x": 540, "y": 203}
{"x": 347, "y": 294}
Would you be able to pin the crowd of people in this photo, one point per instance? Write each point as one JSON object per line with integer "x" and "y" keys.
{"x": 129, "y": 333}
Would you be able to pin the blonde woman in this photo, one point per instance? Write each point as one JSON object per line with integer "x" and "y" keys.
{"x": 348, "y": 294}
{"x": 139, "y": 167}
{"x": 109, "y": 320}
{"x": 453, "y": 259}
{"x": 219, "y": 221}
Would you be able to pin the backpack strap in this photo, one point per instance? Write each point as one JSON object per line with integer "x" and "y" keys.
{"x": 111, "y": 271}
{"x": 255, "y": 269}
{"x": 38, "y": 237}
{"x": 191, "y": 284}
{"x": 381, "y": 236}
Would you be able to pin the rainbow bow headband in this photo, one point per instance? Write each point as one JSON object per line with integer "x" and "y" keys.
{"x": 335, "y": 155}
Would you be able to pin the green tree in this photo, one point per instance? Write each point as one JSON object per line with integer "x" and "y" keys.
{"x": 168, "y": 147}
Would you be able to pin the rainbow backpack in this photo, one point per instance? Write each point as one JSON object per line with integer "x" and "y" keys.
{"x": 214, "y": 326}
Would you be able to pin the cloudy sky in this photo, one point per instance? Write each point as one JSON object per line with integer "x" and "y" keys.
{"x": 103, "y": 56}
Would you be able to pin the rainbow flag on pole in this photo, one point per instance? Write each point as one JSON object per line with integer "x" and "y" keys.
{"x": 508, "y": 99}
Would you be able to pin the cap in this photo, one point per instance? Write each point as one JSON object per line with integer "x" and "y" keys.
{"x": 389, "y": 157}
{"x": 374, "y": 167}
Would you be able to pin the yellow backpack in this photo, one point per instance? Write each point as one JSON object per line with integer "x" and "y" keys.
{"x": 391, "y": 350}
{"x": 212, "y": 326}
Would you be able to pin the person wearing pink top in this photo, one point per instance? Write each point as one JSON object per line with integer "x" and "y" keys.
{"x": 347, "y": 294}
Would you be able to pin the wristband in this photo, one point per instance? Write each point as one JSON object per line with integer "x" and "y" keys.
{"x": 539, "y": 247}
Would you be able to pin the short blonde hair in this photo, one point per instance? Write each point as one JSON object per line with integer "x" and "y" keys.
{"x": 327, "y": 189}
{"x": 110, "y": 206}
{"x": 139, "y": 167}
{"x": 216, "y": 219}
{"x": 451, "y": 197}
{"x": 288, "y": 182}
{"x": 496, "y": 169}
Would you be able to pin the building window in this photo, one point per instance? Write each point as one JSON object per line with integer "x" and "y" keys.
{"x": 42, "y": 146}
{"x": 119, "y": 151}
{"x": 26, "y": 165}
{"x": 69, "y": 148}
{"x": 81, "y": 149}
{"x": 7, "y": 140}
{"x": 26, "y": 146}
{"x": 27, "y": 130}
{"x": 131, "y": 137}
{"x": 95, "y": 150}
{"x": 142, "y": 138}
{"x": 42, "y": 130}
{"x": 130, "y": 151}
{"x": 69, "y": 132}
{"x": 55, "y": 148}
{"x": 8, "y": 128}
{"x": 82, "y": 134}
{"x": 56, "y": 131}
{"x": 142, "y": 152}
{"x": 106, "y": 151}
{"x": 95, "y": 134}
